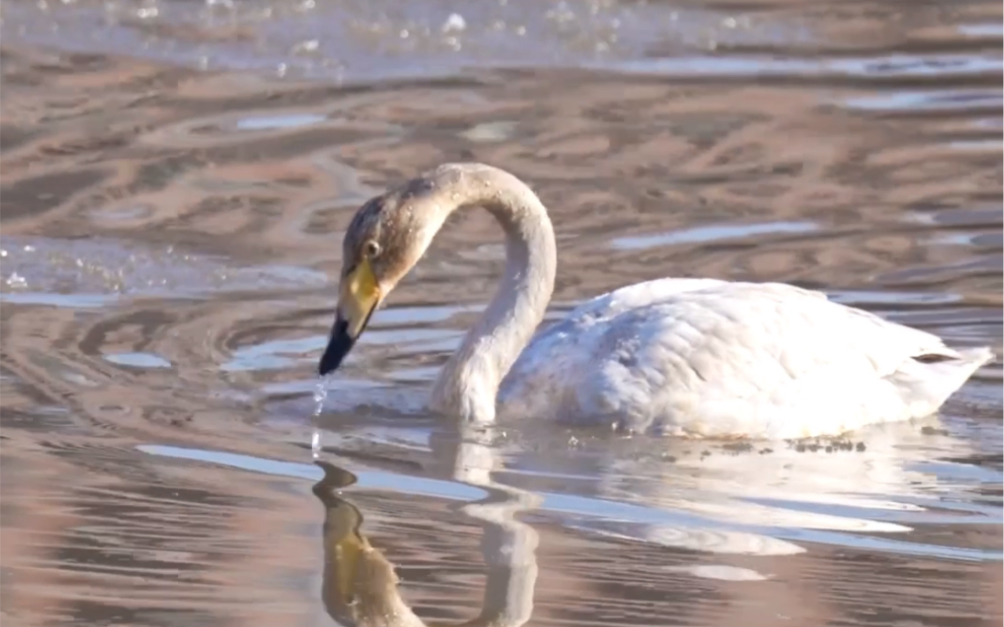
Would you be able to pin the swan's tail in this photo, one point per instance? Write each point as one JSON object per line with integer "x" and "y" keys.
{"x": 927, "y": 381}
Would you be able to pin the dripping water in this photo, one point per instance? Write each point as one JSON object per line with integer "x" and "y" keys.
{"x": 320, "y": 395}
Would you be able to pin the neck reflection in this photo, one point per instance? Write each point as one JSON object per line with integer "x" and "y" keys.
{"x": 360, "y": 587}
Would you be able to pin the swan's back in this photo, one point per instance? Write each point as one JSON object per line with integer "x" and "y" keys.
{"x": 711, "y": 358}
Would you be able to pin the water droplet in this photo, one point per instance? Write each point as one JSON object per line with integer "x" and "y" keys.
{"x": 16, "y": 280}
{"x": 306, "y": 47}
{"x": 455, "y": 22}
{"x": 320, "y": 395}
{"x": 315, "y": 444}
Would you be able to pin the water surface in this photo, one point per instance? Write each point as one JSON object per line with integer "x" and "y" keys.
{"x": 176, "y": 179}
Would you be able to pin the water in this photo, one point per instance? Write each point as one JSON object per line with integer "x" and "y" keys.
{"x": 320, "y": 395}
{"x": 176, "y": 180}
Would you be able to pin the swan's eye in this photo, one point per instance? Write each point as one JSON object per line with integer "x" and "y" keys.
{"x": 371, "y": 249}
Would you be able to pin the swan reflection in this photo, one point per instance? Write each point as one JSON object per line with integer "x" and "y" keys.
{"x": 772, "y": 499}
{"x": 360, "y": 586}
{"x": 769, "y": 500}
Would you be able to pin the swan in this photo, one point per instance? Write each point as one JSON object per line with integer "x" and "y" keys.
{"x": 702, "y": 358}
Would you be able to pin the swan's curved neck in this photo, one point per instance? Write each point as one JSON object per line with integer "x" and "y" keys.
{"x": 469, "y": 382}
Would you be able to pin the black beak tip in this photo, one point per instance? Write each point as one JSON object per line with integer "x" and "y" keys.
{"x": 328, "y": 364}
{"x": 338, "y": 347}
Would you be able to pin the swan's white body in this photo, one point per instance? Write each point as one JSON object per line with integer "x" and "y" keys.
{"x": 696, "y": 357}
{"x": 709, "y": 358}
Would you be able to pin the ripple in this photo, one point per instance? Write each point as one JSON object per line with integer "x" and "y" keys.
{"x": 171, "y": 242}
{"x": 722, "y": 572}
{"x": 138, "y": 360}
{"x": 692, "y": 526}
{"x": 919, "y": 101}
{"x": 711, "y": 233}
{"x": 285, "y": 121}
{"x": 270, "y": 355}
{"x": 899, "y": 66}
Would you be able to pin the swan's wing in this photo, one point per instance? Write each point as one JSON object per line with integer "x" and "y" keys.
{"x": 714, "y": 358}
{"x": 557, "y": 357}
{"x": 544, "y": 379}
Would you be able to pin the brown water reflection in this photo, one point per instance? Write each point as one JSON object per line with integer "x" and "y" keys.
{"x": 167, "y": 238}
{"x": 361, "y": 588}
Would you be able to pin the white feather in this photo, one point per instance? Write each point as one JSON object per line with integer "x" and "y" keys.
{"x": 709, "y": 358}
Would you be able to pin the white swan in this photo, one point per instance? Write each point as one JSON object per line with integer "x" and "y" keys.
{"x": 693, "y": 357}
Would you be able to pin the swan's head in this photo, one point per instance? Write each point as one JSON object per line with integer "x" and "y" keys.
{"x": 385, "y": 239}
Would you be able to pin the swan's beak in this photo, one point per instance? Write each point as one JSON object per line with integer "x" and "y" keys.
{"x": 358, "y": 298}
